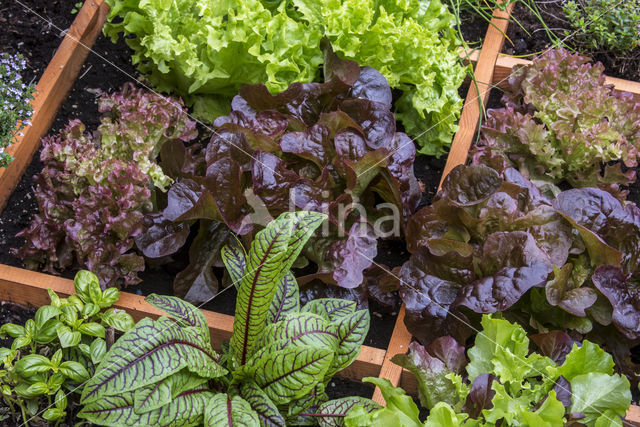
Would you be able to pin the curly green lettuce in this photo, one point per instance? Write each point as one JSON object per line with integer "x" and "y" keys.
{"x": 206, "y": 51}
{"x": 561, "y": 122}
{"x": 504, "y": 383}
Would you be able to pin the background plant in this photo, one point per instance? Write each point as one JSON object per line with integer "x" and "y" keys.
{"x": 94, "y": 189}
{"x": 492, "y": 243}
{"x": 58, "y": 349}
{"x": 596, "y": 25}
{"x": 277, "y": 364}
{"x": 503, "y": 383}
{"x": 205, "y": 52}
{"x": 330, "y": 147}
{"x": 562, "y": 122}
{"x": 15, "y": 108}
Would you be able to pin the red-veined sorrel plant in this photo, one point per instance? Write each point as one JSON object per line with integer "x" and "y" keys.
{"x": 274, "y": 371}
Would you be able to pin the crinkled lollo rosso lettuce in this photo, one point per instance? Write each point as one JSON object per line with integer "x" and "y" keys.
{"x": 492, "y": 243}
{"x": 205, "y": 51}
{"x": 562, "y": 122}
{"x": 94, "y": 189}
{"x": 328, "y": 147}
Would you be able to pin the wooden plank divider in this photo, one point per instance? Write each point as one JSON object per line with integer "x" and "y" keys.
{"x": 505, "y": 64}
{"x": 29, "y": 288}
{"x": 52, "y": 89}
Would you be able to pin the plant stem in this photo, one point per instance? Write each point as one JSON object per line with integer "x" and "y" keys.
{"x": 13, "y": 409}
{"x": 110, "y": 337}
{"x": 24, "y": 415}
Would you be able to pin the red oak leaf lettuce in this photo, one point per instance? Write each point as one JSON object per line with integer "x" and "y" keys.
{"x": 95, "y": 189}
{"x": 562, "y": 122}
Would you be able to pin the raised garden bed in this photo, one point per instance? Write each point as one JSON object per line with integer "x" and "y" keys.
{"x": 30, "y": 288}
{"x": 495, "y": 68}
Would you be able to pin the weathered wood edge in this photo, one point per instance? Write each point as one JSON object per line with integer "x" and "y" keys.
{"x": 505, "y": 64}
{"x": 29, "y": 288}
{"x": 52, "y": 89}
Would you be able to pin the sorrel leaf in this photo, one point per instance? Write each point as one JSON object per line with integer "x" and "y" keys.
{"x": 332, "y": 413}
{"x": 149, "y": 352}
{"x": 331, "y": 309}
{"x": 184, "y": 313}
{"x": 351, "y": 331}
{"x": 156, "y": 395}
{"x": 267, "y": 411}
{"x": 222, "y": 410}
{"x": 185, "y": 409}
{"x": 302, "y": 329}
{"x": 272, "y": 253}
{"x": 290, "y": 373}
{"x": 117, "y": 410}
{"x": 235, "y": 260}
{"x": 286, "y": 299}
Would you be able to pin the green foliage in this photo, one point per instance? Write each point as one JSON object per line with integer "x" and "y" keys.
{"x": 272, "y": 253}
{"x": 15, "y": 109}
{"x": 205, "y": 51}
{"x": 275, "y": 370}
{"x": 58, "y": 349}
{"x": 506, "y": 384}
{"x": 76, "y": 8}
{"x": 597, "y": 25}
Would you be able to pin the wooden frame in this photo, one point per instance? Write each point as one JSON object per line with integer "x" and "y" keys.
{"x": 52, "y": 89}
{"x": 30, "y": 288}
{"x": 504, "y": 65}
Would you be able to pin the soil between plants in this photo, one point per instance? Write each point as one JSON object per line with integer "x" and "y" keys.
{"x": 35, "y": 37}
{"x": 530, "y": 37}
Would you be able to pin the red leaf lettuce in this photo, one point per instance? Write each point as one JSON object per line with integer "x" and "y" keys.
{"x": 316, "y": 146}
{"x": 94, "y": 189}
{"x": 560, "y": 121}
{"x": 492, "y": 243}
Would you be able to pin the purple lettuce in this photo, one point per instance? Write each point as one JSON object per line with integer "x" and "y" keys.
{"x": 95, "y": 189}
{"x": 491, "y": 242}
{"x": 562, "y": 122}
{"x": 316, "y": 146}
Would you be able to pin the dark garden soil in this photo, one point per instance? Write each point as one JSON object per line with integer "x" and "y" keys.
{"x": 473, "y": 28}
{"x": 530, "y": 37}
{"x": 35, "y": 37}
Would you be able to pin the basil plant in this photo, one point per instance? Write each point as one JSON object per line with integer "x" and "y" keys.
{"x": 274, "y": 370}
{"x": 57, "y": 350}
